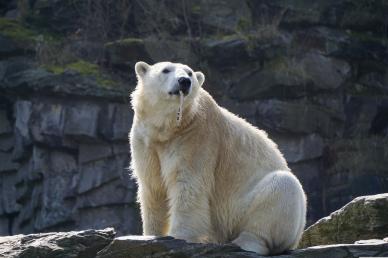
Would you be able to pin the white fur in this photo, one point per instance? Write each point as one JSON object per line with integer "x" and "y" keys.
{"x": 215, "y": 178}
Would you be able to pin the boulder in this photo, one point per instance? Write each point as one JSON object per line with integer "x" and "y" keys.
{"x": 363, "y": 218}
{"x": 225, "y": 16}
{"x": 39, "y": 80}
{"x": 66, "y": 244}
{"x": 298, "y": 117}
{"x": 300, "y": 148}
{"x": 223, "y": 52}
{"x": 125, "y": 52}
{"x": 162, "y": 49}
{"x": 292, "y": 77}
{"x": 355, "y": 167}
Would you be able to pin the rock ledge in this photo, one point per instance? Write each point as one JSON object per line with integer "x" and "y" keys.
{"x": 102, "y": 244}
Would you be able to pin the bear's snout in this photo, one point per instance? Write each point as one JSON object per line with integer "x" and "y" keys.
{"x": 184, "y": 85}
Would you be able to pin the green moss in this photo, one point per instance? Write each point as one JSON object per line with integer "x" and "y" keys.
{"x": 83, "y": 68}
{"x": 196, "y": 8}
{"x": 126, "y": 41}
{"x": 243, "y": 24}
{"x": 54, "y": 69}
{"x": 17, "y": 31}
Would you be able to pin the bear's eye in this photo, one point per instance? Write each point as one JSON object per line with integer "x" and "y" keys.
{"x": 165, "y": 70}
{"x": 190, "y": 74}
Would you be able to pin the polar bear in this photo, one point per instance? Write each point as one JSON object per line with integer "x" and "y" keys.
{"x": 212, "y": 177}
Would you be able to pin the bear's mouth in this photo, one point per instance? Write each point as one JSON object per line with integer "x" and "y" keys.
{"x": 176, "y": 92}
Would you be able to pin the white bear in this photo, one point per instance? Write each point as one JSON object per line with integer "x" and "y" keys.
{"x": 212, "y": 177}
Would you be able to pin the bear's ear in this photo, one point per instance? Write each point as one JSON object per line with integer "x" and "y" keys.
{"x": 141, "y": 68}
{"x": 200, "y": 77}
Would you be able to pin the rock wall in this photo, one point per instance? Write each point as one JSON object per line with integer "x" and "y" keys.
{"x": 64, "y": 165}
{"x": 312, "y": 74}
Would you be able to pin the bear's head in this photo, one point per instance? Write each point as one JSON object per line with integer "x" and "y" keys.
{"x": 165, "y": 80}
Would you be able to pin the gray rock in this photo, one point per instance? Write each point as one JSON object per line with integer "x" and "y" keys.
{"x": 88, "y": 114}
{"x": 360, "y": 114}
{"x": 352, "y": 161}
{"x": 23, "y": 111}
{"x": 305, "y": 118}
{"x": 22, "y": 114}
{"x": 106, "y": 119}
{"x": 125, "y": 52}
{"x": 246, "y": 110}
{"x": 38, "y": 80}
{"x": 9, "y": 194}
{"x": 325, "y": 40}
{"x": 102, "y": 244}
{"x": 4, "y": 227}
{"x": 96, "y": 173}
{"x": 122, "y": 148}
{"x": 48, "y": 121}
{"x": 363, "y": 218}
{"x": 115, "y": 121}
{"x": 276, "y": 79}
{"x": 28, "y": 209}
{"x": 310, "y": 175}
{"x": 375, "y": 248}
{"x": 227, "y": 16}
{"x": 67, "y": 244}
{"x": 56, "y": 186}
{"x": 124, "y": 218}
{"x": 375, "y": 80}
{"x": 292, "y": 77}
{"x": 6, "y": 143}
{"x": 149, "y": 246}
{"x": 2, "y": 212}
{"x": 5, "y": 125}
{"x": 14, "y": 65}
{"x": 8, "y": 47}
{"x": 300, "y": 148}
{"x": 325, "y": 72}
{"x": 180, "y": 51}
{"x": 122, "y": 122}
{"x": 223, "y": 52}
{"x": 112, "y": 193}
{"x": 39, "y": 163}
{"x": 6, "y": 162}
{"x": 92, "y": 152}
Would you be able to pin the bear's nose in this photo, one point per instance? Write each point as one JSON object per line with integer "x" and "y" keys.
{"x": 184, "y": 84}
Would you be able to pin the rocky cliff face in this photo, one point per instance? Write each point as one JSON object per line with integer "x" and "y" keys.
{"x": 312, "y": 74}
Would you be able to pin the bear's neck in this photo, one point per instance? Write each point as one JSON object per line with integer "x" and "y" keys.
{"x": 162, "y": 116}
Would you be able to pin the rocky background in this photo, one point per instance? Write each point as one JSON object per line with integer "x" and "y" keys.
{"x": 313, "y": 74}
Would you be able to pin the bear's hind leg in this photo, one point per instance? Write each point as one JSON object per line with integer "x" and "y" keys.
{"x": 276, "y": 216}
